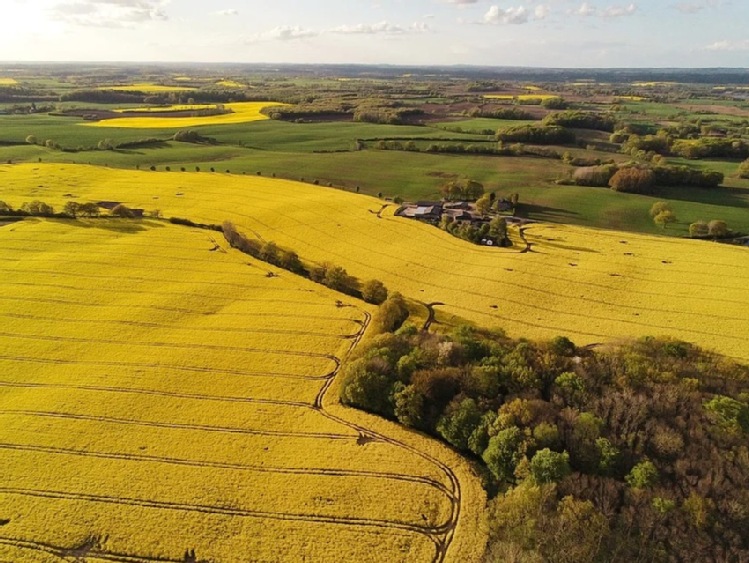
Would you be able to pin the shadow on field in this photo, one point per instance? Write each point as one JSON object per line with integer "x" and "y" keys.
{"x": 543, "y": 212}
{"x": 126, "y": 226}
{"x": 726, "y": 197}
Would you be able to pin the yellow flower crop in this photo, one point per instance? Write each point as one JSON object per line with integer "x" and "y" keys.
{"x": 161, "y": 393}
{"x": 592, "y": 285}
{"x": 148, "y": 88}
{"x": 240, "y": 112}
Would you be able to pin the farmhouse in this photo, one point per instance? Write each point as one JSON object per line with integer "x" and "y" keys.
{"x": 430, "y": 211}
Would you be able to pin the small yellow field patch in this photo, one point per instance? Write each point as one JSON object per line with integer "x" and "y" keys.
{"x": 167, "y": 109}
{"x": 148, "y": 88}
{"x": 230, "y": 84}
{"x": 8, "y": 81}
{"x": 522, "y": 97}
{"x": 240, "y": 112}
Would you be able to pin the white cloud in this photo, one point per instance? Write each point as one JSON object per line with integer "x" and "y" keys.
{"x": 108, "y": 13}
{"x": 587, "y": 10}
{"x": 383, "y": 27}
{"x": 696, "y": 6}
{"x": 369, "y": 29}
{"x": 540, "y": 12}
{"x": 289, "y": 33}
{"x": 619, "y": 11}
{"x": 229, "y": 12}
{"x": 497, "y": 15}
{"x": 725, "y": 45}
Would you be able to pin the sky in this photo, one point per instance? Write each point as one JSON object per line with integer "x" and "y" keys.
{"x": 539, "y": 33}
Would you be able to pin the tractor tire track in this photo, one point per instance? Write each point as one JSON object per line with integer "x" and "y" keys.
{"x": 442, "y": 538}
{"x": 428, "y": 531}
{"x": 326, "y": 472}
{"x": 187, "y": 369}
{"x": 143, "y": 324}
{"x": 179, "y": 426}
{"x": 191, "y": 312}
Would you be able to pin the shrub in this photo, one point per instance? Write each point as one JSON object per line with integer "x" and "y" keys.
{"x": 744, "y": 169}
{"x": 392, "y": 313}
{"x": 633, "y": 180}
{"x": 374, "y": 291}
{"x": 698, "y": 229}
{"x": 37, "y": 207}
{"x": 536, "y": 134}
{"x": 582, "y": 120}
{"x": 594, "y": 176}
{"x": 716, "y": 228}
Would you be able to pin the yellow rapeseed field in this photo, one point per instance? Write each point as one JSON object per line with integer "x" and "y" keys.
{"x": 148, "y": 88}
{"x": 240, "y": 112}
{"x": 161, "y": 393}
{"x": 592, "y": 285}
{"x": 8, "y": 81}
{"x": 522, "y": 97}
{"x": 169, "y": 108}
{"x": 230, "y": 84}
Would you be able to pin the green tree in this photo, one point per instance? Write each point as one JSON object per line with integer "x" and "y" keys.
{"x": 549, "y": 467}
{"x": 391, "y": 314}
{"x": 374, "y": 291}
{"x": 269, "y": 252}
{"x": 483, "y": 204}
{"x": 37, "y": 207}
{"x": 729, "y": 412}
{"x": 410, "y": 407}
{"x": 608, "y": 455}
{"x": 367, "y": 384}
{"x": 664, "y": 218}
{"x": 459, "y": 421}
{"x": 659, "y": 207}
{"x": 338, "y": 279}
{"x": 72, "y": 208}
{"x": 498, "y": 228}
{"x": 643, "y": 475}
{"x": 503, "y": 453}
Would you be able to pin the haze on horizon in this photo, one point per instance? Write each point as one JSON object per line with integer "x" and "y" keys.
{"x": 542, "y": 33}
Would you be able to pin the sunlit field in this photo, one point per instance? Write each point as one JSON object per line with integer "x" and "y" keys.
{"x": 522, "y": 97}
{"x": 592, "y": 285}
{"x": 162, "y": 394}
{"x": 166, "y": 109}
{"x": 8, "y": 81}
{"x": 148, "y": 88}
{"x": 240, "y": 112}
